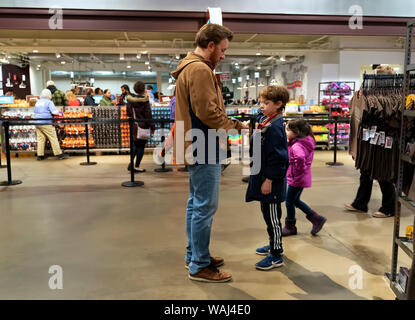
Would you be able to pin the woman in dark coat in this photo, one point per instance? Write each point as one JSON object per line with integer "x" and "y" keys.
{"x": 138, "y": 107}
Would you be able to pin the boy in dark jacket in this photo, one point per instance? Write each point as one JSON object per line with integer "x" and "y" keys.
{"x": 269, "y": 185}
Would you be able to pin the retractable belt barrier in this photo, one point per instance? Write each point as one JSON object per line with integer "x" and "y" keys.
{"x": 6, "y": 123}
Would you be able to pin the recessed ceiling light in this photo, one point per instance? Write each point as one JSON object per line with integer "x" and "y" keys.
{"x": 236, "y": 64}
{"x": 144, "y": 52}
{"x": 123, "y": 72}
{"x": 128, "y": 67}
{"x": 258, "y": 53}
{"x": 138, "y": 56}
{"x": 38, "y": 65}
{"x": 177, "y": 56}
{"x": 149, "y": 67}
{"x": 58, "y": 55}
{"x": 35, "y": 51}
{"x": 121, "y": 56}
{"x": 63, "y": 62}
{"x": 282, "y": 58}
{"x": 147, "y": 62}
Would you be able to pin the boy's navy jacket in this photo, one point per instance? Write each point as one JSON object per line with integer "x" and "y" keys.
{"x": 274, "y": 163}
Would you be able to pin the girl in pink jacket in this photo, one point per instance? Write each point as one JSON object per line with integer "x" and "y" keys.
{"x": 301, "y": 145}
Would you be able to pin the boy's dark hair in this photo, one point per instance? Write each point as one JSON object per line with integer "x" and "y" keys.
{"x": 212, "y": 32}
{"x": 275, "y": 94}
{"x": 300, "y": 127}
{"x": 139, "y": 87}
{"x": 89, "y": 92}
{"x": 97, "y": 90}
{"x": 106, "y": 90}
{"x": 126, "y": 87}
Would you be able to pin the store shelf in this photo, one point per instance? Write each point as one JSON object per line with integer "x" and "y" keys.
{"x": 315, "y": 113}
{"x": 406, "y": 158}
{"x": 320, "y": 132}
{"x": 409, "y": 113}
{"x": 405, "y": 245}
{"x": 408, "y": 203}
{"x": 410, "y": 67}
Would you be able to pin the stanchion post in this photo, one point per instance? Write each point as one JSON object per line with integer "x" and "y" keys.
{"x": 335, "y": 163}
{"x": 87, "y": 163}
{"x": 9, "y": 181}
{"x": 163, "y": 165}
{"x": 132, "y": 183}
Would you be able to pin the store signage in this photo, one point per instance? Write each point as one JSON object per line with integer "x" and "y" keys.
{"x": 295, "y": 84}
{"x": 214, "y": 15}
{"x": 225, "y": 76}
{"x": 256, "y": 76}
{"x": 6, "y": 100}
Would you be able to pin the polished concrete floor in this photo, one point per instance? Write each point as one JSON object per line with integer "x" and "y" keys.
{"x": 129, "y": 243}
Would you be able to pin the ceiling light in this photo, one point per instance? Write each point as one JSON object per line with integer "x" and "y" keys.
{"x": 124, "y": 73}
{"x": 144, "y": 52}
{"x": 121, "y": 56}
{"x": 259, "y": 67}
{"x": 63, "y": 62}
{"x": 128, "y": 67}
{"x": 38, "y": 65}
{"x": 258, "y": 53}
{"x": 282, "y": 58}
{"x": 177, "y": 56}
{"x": 35, "y": 51}
{"x": 149, "y": 67}
{"x": 9, "y": 56}
{"x": 138, "y": 55}
{"x": 236, "y": 64}
{"x": 58, "y": 55}
{"x": 147, "y": 62}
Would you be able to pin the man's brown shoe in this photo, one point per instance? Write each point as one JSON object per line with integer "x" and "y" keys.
{"x": 214, "y": 261}
{"x": 211, "y": 274}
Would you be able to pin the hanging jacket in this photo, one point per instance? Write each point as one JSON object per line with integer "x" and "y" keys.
{"x": 301, "y": 153}
{"x": 274, "y": 163}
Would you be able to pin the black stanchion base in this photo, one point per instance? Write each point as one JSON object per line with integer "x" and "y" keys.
{"x": 131, "y": 184}
{"x": 1, "y": 167}
{"x": 245, "y": 179}
{"x": 335, "y": 164}
{"x": 88, "y": 163}
{"x": 163, "y": 170}
{"x": 183, "y": 169}
{"x": 12, "y": 183}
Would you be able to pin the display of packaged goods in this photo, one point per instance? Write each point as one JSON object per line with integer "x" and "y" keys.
{"x": 107, "y": 135}
{"x": 320, "y": 129}
{"x": 409, "y": 233}
{"x": 403, "y": 278}
{"x": 18, "y": 103}
{"x": 322, "y": 138}
{"x": 125, "y": 129}
{"x": 313, "y": 109}
{"x": 22, "y": 138}
{"x": 159, "y": 113}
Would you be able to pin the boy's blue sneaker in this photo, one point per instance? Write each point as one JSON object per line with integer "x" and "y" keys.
{"x": 263, "y": 251}
{"x": 269, "y": 262}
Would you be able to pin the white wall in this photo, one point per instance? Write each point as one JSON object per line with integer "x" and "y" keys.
{"x": 36, "y": 81}
{"x": 351, "y": 62}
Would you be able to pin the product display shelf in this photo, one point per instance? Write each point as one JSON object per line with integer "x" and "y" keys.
{"x": 398, "y": 241}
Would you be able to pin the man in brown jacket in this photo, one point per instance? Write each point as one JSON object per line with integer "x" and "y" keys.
{"x": 200, "y": 112}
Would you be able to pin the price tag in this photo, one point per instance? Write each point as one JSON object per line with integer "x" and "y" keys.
{"x": 374, "y": 140}
{"x": 365, "y": 135}
{"x": 389, "y": 142}
{"x": 382, "y": 137}
{"x": 372, "y": 132}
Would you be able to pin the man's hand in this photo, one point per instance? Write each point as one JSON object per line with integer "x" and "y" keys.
{"x": 266, "y": 187}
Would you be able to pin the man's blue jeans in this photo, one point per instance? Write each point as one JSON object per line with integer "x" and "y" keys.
{"x": 204, "y": 181}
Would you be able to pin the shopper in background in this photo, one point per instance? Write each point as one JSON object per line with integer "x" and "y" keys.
{"x": 269, "y": 185}
{"x": 58, "y": 97}
{"x": 106, "y": 99}
{"x": 301, "y": 146}
{"x": 150, "y": 94}
{"x": 361, "y": 201}
{"x": 199, "y": 105}
{"x": 98, "y": 92}
{"x": 122, "y": 99}
{"x": 89, "y": 99}
{"x": 45, "y": 109}
{"x": 138, "y": 107}
{"x": 72, "y": 100}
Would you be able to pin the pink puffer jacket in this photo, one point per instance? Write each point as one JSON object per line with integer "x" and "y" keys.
{"x": 301, "y": 153}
